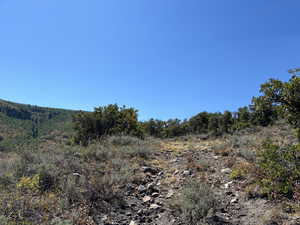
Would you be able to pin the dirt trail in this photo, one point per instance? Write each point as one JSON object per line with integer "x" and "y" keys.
{"x": 181, "y": 160}
{"x": 166, "y": 174}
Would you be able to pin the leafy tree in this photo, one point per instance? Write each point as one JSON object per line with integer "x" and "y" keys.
{"x": 166, "y": 129}
{"x": 285, "y": 96}
{"x": 107, "y": 120}
{"x": 199, "y": 123}
{"x": 85, "y": 127}
{"x": 226, "y": 122}
{"x": 243, "y": 118}
{"x": 244, "y": 114}
{"x": 175, "y": 128}
{"x": 263, "y": 112}
{"x": 154, "y": 127}
{"x": 213, "y": 124}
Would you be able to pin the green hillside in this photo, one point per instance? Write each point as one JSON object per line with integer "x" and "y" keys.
{"x": 20, "y": 123}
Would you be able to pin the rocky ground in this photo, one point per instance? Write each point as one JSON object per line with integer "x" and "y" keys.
{"x": 176, "y": 161}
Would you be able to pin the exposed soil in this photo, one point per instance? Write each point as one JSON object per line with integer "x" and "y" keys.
{"x": 176, "y": 161}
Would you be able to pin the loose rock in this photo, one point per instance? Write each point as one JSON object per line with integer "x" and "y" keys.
{"x": 147, "y": 199}
{"x": 186, "y": 173}
{"x": 226, "y": 170}
{"x": 133, "y": 223}
{"x": 154, "y": 206}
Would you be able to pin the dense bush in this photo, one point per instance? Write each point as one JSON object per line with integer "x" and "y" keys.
{"x": 166, "y": 129}
{"x": 175, "y": 128}
{"x": 199, "y": 123}
{"x": 285, "y": 96}
{"x": 263, "y": 112}
{"x": 279, "y": 169}
{"x": 154, "y": 128}
{"x": 107, "y": 120}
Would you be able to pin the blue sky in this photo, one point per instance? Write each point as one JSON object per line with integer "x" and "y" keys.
{"x": 167, "y": 58}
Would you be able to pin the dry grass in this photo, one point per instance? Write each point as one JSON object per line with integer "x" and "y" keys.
{"x": 242, "y": 170}
{"x": 188, "y": 143}
{"x": 194, "y": 202}
{"x": 169, "y": 180}
{"x": 71, "y": 181}
{"x": 104, "y": 167}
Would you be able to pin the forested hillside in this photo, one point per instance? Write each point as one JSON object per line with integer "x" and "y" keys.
{"x": 21, "y": 123}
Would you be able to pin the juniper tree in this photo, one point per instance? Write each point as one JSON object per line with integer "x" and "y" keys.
{"x": 285, "y": 96}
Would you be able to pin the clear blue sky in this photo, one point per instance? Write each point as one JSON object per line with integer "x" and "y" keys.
{"x": 168, "y": 58}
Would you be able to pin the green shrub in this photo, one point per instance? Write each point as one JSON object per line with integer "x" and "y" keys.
{"x": 241, "y": 170}
{"x": 3, "y": 220}
{"x": 5, "y": 181}
{"x": 249, "y": 155}
{"x": 59, "y": 221}
{"x": 194, "y": 203}
{"x": 284, "y": 96}
{"x": 107, "y": 120}
{"x": 123, "y": 140}
{"x": 279, "y": 169}
{"x": 97, "y": 152}
{"x": 236, "y": 174}
{"x": 29, "y": 183}
{"x": 138, "y": 151}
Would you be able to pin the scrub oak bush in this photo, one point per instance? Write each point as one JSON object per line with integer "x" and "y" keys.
{"x": 279, "y": 169}
{"x": 241, "y": 170}
{"x": 285, "y": 97}
{"x": 105, "y": 121}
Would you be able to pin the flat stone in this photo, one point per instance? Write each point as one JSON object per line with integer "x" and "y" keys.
{"x": 154, "y": 206}
{"x": 141, "y": 188}
{"x": 226, "y": 170}
{"x": 133, "y": 223}
{"x": 147, "y": 199}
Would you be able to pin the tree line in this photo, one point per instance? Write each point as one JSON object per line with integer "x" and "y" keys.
{"x": 278, "y": 100}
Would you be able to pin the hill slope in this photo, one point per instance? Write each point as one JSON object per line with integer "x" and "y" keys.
{"x": 21, "y": 123}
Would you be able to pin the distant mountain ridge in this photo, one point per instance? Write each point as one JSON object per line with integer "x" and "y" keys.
{"x": 21, "y": 122}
